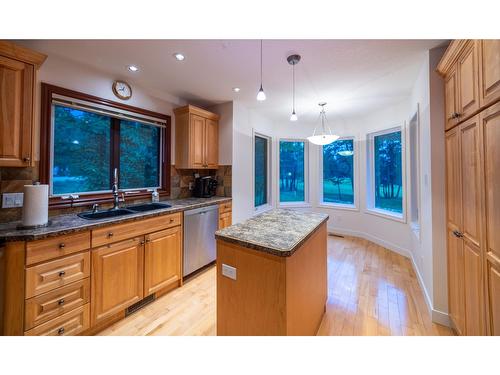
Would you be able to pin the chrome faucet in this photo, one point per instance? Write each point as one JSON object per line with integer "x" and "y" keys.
{"x": 114, "y": 189}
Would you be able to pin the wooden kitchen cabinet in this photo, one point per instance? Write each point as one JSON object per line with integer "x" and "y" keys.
{"x": 18, "y": 66}
{"x": 489, "y": 71}
{"x": 451, "y": 92}
{"x": 162, "y": 260}
{"x": 196, "y": 138}
{"x": 225, "y": 215}
{"x": 116, "y": 277}
{"x": 468, "y": 81}
{"x": 490, "y": 135}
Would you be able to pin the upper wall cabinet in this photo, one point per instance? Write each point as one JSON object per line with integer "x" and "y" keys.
{"x": 18, "y": 67}
{"x": 471, "y": 70}
{"x": 196, "y": 138}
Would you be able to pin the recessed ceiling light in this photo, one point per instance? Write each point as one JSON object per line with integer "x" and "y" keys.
{"x": 236, "y": 89}
{"x": 179, "y": 56}
{"x": 133, "y": 68}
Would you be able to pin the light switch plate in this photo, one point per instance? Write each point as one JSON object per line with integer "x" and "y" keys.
{"x": 11, "y": 200}
{"x": 228, "y": 271}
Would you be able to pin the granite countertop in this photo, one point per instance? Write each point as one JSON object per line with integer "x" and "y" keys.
{"x": 278, "y": 232}
{"x": 70, "y": 223}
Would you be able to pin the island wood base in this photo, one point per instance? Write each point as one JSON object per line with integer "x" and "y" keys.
{"x": 272, "y": 295}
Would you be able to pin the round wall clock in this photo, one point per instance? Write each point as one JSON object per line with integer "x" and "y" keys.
{"x": 122, "y": 90}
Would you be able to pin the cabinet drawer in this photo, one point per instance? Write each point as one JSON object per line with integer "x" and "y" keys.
{"x": 52, "y": 304}
{"x": 114, "y": 233}
{"x": 56, "y": 247}
{"x": 54, "y": 274}
{"x": 225, "y": 207}
{"x": 69, "y": 324}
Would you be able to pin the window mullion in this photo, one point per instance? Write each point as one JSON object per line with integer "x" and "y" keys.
{"x": 115, "y": 148}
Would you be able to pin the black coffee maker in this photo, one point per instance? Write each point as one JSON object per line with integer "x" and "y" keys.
{"x": 204, "y": 187}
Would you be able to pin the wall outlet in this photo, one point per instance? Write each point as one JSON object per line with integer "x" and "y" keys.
{"x": 229, "y": 271}
{"x": 11, "y": 200}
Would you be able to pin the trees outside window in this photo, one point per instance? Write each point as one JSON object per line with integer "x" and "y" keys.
{"x": 338, "y": 172}
{"x": 292, "y": 171}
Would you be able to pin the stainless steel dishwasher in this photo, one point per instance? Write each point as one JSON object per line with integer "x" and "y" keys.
{"x": 200, "y": 225}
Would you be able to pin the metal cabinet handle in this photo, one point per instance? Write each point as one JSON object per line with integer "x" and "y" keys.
{"x": 62, "y": 245}
{"x": 171, "y": 220}
{"x": 110, "y": 234}
{"x": 62, "y": 273}
{"x": 458, "y": 234}
{"x": 60, "y": 331}
{"x": 142, "y": 242}
{"x": 61, "y": 302}
{"x": 26, "y": 159}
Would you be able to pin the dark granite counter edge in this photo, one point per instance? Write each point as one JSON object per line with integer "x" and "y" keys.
{"x": 269, "y": 249}
{"x": 112, "y": 221}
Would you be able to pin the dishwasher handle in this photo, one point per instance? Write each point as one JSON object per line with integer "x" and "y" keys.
{"x": 201, "y": 210}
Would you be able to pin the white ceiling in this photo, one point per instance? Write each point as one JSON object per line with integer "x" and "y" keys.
{"x": 353, "y": 76}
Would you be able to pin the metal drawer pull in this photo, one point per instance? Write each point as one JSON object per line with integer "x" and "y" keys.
{"x": 458, "y": 234}
{"x": 171, "y": 220}
{"x": 62, "y": 273}
{"x": 110, "y": 234}
{"x": 60, "y": 331}
{"x": 61, "y": 301}
{"x": 62, "y": 245}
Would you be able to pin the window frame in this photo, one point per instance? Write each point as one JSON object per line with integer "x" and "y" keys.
{"x": 306, "y": 202}
{"x": 341, "y": 206}
{"x": 370, "y": 175}
{"x": 46, "y": 156}
{"x": 269, "y": 205}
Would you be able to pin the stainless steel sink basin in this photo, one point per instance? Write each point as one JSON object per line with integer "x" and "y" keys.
{"x": 105, "y": 214}
{"x": 148, "y": 207}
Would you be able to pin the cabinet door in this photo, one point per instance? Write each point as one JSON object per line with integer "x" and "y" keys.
{"x": 490, "y": 126}
{"x": 162, "y": 259}
{"x": 453, "y": 185}
{"x": 450, "y": 90}
{"x": 471, "y": 180}
{"x": 468, "y": 78}
{"x": 16, "y": 112}
{"x": 225, "y": 220}
{"x": 473, "y": 287}
{"x": 456, "y": 282}
{"x": 489, "y": 70}
{"x": 212, "y": 144}
{"x": 117, "y": 277}
{"x": 197, "y": 141}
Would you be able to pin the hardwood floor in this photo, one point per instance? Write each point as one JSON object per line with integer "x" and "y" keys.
{"x": 371, "y": 291}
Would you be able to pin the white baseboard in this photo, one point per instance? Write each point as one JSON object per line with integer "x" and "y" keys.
{"x": 436, "y": 315}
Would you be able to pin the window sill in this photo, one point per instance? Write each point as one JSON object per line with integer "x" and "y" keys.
{"x": 386, "y": 215}
{"x": 295, "y": 205}
{"x": 336, "y": 206}
{"x": 263, "y": 208}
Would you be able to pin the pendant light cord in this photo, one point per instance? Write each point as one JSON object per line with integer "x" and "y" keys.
{"x": 293, "y": 73}
{"x": 261, "y": 63}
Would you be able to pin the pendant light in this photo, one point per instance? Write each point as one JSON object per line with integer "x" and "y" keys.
{"x": 293, "y": 60}
{"x": 325, "y": 137}
{"x": 261, "y": 95}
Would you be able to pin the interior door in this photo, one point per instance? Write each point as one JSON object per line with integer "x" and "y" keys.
{"x": 16, "y": 107}
{"x": 212, "y": 144}
{"x": 468, "y": 81}
{"x": 197, "y": 141}
{"x": 117, "y": 277}
{"x": 450, "y": 88}
{"x": 456, "y": 296}
{"x": 489, "y": 70}
{"x": 162, "y": 259}
{"x": 490, "y": 127}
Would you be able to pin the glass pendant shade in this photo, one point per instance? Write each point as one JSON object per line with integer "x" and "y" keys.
{"x": 325, "y": 136}
{"x": 346, "y": 153}
{"x": 261, "y": 95}
{"x": 294, "y": 116}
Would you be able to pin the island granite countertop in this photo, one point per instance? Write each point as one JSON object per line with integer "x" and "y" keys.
{"x": 278, "y": 232}
{"x": 64, "y": 224}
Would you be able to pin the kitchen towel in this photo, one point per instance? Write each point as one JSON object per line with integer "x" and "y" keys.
{"x": 35, "y": 205}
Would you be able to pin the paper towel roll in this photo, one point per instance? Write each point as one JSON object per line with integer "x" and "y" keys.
{"x": 35, "y": 205}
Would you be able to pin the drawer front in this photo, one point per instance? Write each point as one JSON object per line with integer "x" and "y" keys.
{"x": 69, "y": 324}
{"x": 54, "y": 274}
{"x": 114, "y": 233}
{"x": 50, "y": 305}
{"x": 56, "y": 247}
{"x": 225, "y": 207}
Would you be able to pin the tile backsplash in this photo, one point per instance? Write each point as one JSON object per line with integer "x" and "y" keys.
{"x": 12, "y": 180}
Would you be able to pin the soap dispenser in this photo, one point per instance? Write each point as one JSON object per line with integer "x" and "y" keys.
{"x": 155, "y": 197}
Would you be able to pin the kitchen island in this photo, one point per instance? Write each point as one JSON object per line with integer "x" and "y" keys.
{"x": 272, "y": 274}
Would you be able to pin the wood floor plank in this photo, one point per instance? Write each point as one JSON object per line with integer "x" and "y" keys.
{"x": 371, "y": 291}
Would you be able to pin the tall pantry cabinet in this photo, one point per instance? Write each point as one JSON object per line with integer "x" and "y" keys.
{"x": 471, "y": 71}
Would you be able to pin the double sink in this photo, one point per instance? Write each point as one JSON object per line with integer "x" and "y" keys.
{"x": 123, "y": 211}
